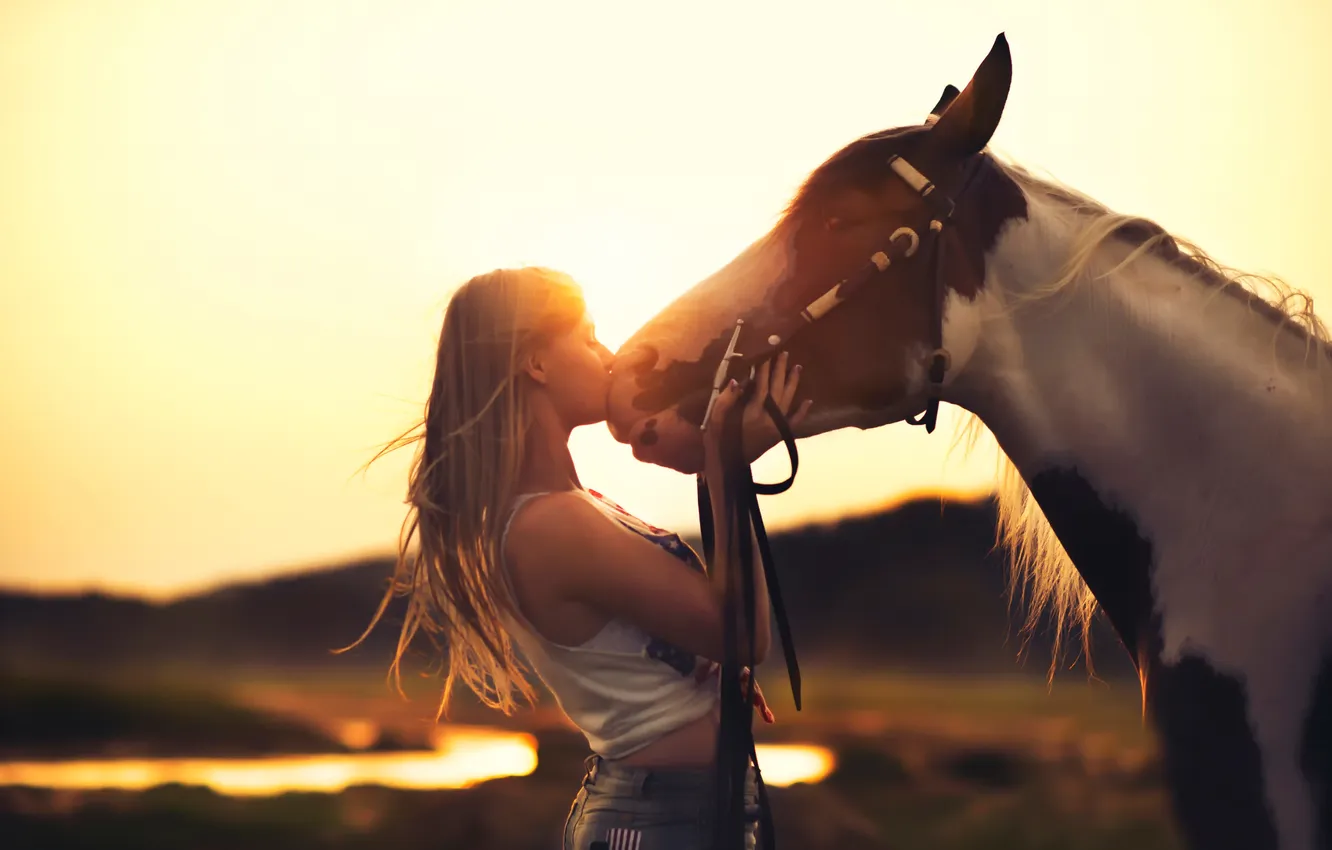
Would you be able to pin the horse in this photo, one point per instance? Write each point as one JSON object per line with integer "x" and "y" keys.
{"x": 1163, "y": 424}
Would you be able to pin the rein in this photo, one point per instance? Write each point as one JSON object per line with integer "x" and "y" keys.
{"x": 735, "y": 741}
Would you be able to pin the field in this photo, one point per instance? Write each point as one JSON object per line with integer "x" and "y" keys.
{"x": 1001, "y": 762}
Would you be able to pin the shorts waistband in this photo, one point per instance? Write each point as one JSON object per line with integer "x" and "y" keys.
{"x": 612, "y": 777}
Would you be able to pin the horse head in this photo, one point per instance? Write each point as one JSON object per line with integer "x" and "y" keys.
{"x": 866, "y": 363}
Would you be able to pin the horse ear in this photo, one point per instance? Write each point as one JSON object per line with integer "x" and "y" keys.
{"x": 950, "y": 91}
{"x": 970, "y": 118}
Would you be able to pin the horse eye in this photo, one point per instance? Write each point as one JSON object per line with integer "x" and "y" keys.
{"x": 834, "y": 224}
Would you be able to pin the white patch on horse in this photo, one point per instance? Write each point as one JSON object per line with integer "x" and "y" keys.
{"x": 1189, "y": 412}
{"x": 961, "y": 331}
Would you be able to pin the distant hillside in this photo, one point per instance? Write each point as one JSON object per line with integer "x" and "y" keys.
{"x": 916, "y": 587}
{"x": 293, "y": 621}
{"x": 919, "y": 587}
{"x": 44, "y": 717}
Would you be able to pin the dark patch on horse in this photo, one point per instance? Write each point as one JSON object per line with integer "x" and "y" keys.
{"x": 649, "y": 437}
{"x": 684, "y": 383}
{"x": 1212, "y": 763}
{"x": 992, "y": 201}
{"x": 1316, "y": 752}
{"x": 1109, "y": 551}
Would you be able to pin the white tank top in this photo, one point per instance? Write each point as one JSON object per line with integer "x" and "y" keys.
{"x": 623, "y": 688}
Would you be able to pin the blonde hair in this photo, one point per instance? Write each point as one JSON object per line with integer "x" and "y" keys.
{"x": 470, "y": 453}
{"x": 1041, "y": 575}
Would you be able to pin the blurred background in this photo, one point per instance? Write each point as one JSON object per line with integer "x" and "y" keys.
{"x": 227, "y": 234}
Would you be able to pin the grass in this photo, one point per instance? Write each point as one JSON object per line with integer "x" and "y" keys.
{"x": 1017, "y": 706}
{"x": 48, "y": 716}
{"x": 923, "y": 762}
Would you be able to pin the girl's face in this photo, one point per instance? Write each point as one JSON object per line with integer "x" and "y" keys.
{"x": 575, "y": 373}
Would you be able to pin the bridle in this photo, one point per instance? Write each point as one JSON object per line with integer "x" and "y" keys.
{"x": 735, "y": 741}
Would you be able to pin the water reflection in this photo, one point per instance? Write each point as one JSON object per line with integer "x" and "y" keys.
{"x": 787, "y": 764}
{"x": 462, "y": 756}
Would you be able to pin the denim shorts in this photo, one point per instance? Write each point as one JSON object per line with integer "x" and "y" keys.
{"x": 639, "y": 808}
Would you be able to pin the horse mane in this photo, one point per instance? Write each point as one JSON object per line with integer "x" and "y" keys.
{"x": 1041, "y": 574}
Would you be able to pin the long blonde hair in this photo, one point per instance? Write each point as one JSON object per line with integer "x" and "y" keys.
{"x": 470, "y": 453}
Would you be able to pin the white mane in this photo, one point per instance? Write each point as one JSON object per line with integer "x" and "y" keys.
{"x": 1041, "y": 574}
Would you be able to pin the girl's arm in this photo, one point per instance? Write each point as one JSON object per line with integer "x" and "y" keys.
{"x": 566, "y": 550}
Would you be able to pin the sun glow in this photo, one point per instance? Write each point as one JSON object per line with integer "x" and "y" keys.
{"x": 787, "y": 764}
{"x": 614, "y": 256}
{"x": 461, "y": 758}
{"x": 234, "y": 224}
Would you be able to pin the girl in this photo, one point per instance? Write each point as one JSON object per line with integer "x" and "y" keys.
{"x": 618, "y": 618}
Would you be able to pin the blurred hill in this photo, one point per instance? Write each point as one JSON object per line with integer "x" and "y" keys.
{"x": 917, "y": 587}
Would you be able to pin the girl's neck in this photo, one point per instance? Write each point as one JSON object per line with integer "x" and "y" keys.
{"x": 547, "y": 464}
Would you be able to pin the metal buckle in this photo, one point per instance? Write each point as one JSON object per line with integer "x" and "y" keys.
{"x": 719, "y": 376}
{"x": 910, "y": 235}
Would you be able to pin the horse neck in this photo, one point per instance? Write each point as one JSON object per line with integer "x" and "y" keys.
{"x": 1148, "y": 357}
{"x": 1175, "y": 402}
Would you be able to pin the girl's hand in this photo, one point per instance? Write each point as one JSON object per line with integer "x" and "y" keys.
{"x": 707, "y": 669}
{"x": 759, "y": 432}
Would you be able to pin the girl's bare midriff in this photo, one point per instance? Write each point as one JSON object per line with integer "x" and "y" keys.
{"x": 692, "y": 745}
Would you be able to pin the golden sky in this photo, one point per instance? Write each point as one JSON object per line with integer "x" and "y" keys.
{"x": 228, "y": 227}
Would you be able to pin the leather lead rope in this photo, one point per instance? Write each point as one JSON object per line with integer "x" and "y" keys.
{"x": 736, "y": 748}
{"x": 939, "y": 361}
{"x": 735, "y": 741}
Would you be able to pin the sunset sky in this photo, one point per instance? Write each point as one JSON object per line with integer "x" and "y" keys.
{"x": 228, "y": 228}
